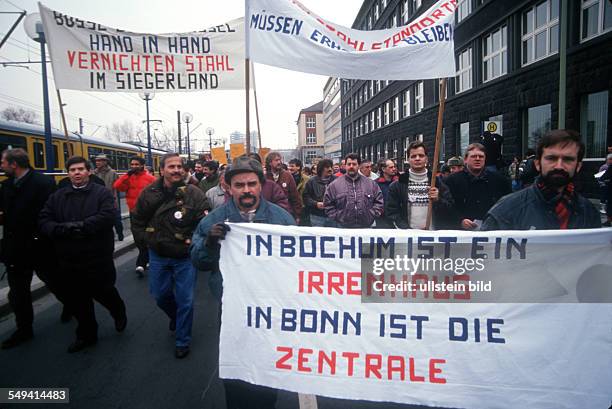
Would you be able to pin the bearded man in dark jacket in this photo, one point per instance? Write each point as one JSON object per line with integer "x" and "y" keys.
{"x": 80, "y": 218}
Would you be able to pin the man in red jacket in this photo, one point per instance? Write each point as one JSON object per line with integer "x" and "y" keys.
{"x": 133, "y": 183}
{"x": 283, "y": 178}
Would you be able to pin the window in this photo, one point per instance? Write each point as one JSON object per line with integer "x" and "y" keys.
{"x": 464, "y": 8}
{"x": 596, "y": 18}
{"x": 500, "y": 128}
{"x": 384, "y": 4}
{"x": 311, "y": 122}
{"x": 395, "y": 146}
{"x": 371, "y": 84}
{"x": 387, "y": 113}
{"x": 418, "y": 97}
{"x": 375, "y": 86}
{"x": 464, "y": 74}
{"x": 379, "y": 117}
{"x": 369, "y": 21}
{"x": 536, "y": 124}
{"x": 39, "y": 155}
{"x": 376, "y": 12}
{"x": 310, "y": 155}
{"x": 396, "y": 108}
{"x": 394, "y": 20}
{"x": 366, "y": 124}
{"x": 464, "y": 138}
{"x": 495, "y": 54}
{"x": 594, "y": 123}
{"x": 56, "y": 164}
{"x": 311, "y": 138}
{"x": 540, "y": 31}
{"x": 406, "y": 106}
{"x": 372, "y": 120}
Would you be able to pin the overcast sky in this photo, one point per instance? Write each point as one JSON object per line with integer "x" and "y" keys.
{"x": 281, "y": 93}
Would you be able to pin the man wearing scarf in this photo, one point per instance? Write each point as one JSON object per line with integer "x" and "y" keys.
{"x": 552, "y": 201}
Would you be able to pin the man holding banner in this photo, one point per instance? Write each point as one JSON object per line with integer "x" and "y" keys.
{"x": 551, "y": 202}
{"x": 247, "y": 205}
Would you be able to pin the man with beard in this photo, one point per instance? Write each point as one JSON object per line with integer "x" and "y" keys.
{"x": 314, "y": 193}
{"x": 79, "y": 218}
{"x": 246, "y": 205}
{"x": 166, "y": 214}
{"x": 474, "y": 190}
{"x": 132, "y": 183}
{"x": 283, "y": 178}
{"x": 551, "y": 202}
{"x": 199, "y": 172}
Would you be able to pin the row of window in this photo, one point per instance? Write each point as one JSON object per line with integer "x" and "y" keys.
{"x": 400, "y": 16}
{"x": 536, "y": 121}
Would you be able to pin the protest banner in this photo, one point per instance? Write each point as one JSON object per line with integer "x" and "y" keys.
{"x": 236, "y": 149}
{"x": 219, "y": 155}
{"x": 295, "y": 316}
{"x": 286, "y": 34}
{"x": 88, "y": 56}
{"x": 263, "y": 152}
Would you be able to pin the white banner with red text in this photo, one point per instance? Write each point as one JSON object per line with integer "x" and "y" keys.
{"x": 88, "y": 56}
{"x": 284, "y": 33}
{"x": 296, "y": 316}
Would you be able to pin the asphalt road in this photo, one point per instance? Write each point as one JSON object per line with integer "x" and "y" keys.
{"x": 136, "y": 369}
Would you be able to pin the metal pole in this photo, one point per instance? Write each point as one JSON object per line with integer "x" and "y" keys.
{"x": 248, "y": 116}
{"x": 8, "y": 34}
{"x": 563, "y": 64}
{"x": 48, "y": 139}
{"x": 256, "y": 109}
{"x": 150, "y": 158}
{"x": 188, "y": 147}
{"x": 437, "y": 147}
{"x": 178, "y": 120}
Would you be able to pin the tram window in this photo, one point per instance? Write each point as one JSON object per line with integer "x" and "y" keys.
{"x": 55, "y": 157}
{"x": 12, "y": 142}
{"x": 122, "y": 160}
{"x": 68, "y": 151}
{"x": 39, "y": 155}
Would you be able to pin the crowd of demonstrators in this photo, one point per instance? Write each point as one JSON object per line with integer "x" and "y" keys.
{"x": 133, "y": 183}
{"x": 166, "y": 214}
{"x": 406, "y": 205}
{"x": 353, "y": 200}
{"x": 474, "y": 190}
{"x": 210, "y": 170}
{"x": 365, "y": 169}
{"x": 388, "y": 174}
{"x": 198, "y": 170}
{"x": 79, "y": 220}
{"x": 109, "y": 176}
{"x": 217, "y": 195}
{"x": 271, "y": 191}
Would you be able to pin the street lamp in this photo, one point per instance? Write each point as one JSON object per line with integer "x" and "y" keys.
{"x": 210, "y": 132}
{"x": 147, "y": 96}
{"x": 34, "y": 28}
{"x": 187, "y": 118}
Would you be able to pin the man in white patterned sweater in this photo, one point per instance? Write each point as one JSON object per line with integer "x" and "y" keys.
{"x": 408, "y": 198}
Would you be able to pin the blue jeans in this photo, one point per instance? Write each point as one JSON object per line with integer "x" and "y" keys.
{"x": 164, "y": 274}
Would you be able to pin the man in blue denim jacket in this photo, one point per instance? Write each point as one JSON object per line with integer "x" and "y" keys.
{"x": 245, "y": 180}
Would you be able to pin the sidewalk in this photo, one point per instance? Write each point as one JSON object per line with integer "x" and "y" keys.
{"x": 39, "y": 289}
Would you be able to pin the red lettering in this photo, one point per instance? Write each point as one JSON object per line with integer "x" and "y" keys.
{"x": 400, "y": 368}
{"x": 376, "y": 46}
{"x": 350, "y": 356}
{"x": 415, "y": 281}
{"x": 300, "y": 281}
{"x": 303, "y": 359}
{"x": 413, "y": 376}
{"x": 315, "y": 281}
{"x": 189, "y": 63}
{"x": 353, "y": 279}
{"x": 437, "y": 14}
{"x": 433, "y": 370}
{"x": 466, "y": 295}
{"x": 373, "y": 365}
{"x": 82, "y": 60}
{"x": 336, "y": 282}
{"x": 280, "y": 363}
{"x": 331, "y": 362}
{"x": 71, "y": 55}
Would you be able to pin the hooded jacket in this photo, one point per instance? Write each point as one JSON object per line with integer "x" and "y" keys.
{"x": 133, "y": 185}
{"x": 353, "y": 203}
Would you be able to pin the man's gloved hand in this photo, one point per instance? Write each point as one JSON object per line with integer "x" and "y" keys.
{"x": 132, "y": 172}
{"x": 69, "y": 229}
{"x": 217, "y": 232}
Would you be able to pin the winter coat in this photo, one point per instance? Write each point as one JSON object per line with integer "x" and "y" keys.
{"x": 314, "y": 192}
{"x": 206, "y": 184}
{"x": 353, "y": 203}
{"x": 473, "y": 196}
{"x": 301, "y": 184}
{"x": 528, "y": 210}
{"x": 287, "y": 183}
{"x": 273, "y": 193}
{"x": 20, "y": 205}
{"x": 397, "y": 208}
{"x": 133, "y": 185}
{"x": 84, "y": 253}
{"x": 164, "y": 220}
{"x": 384, "y": 185}
{"x": 207, "y": 258}
{"x": 108, "y": 175}
{"x": 215, "y": 197}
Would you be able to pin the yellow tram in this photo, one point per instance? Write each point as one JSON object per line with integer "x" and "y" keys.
{"x": 32, "y": 138}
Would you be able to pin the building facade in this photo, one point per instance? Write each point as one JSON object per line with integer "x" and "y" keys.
{"x": 239, "y": 137}
{"x": 311, "y": 134}
{"x": 507, "y": 71}
{"x": 332, "y": 120}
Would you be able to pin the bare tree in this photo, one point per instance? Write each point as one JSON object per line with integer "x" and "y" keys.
{"x": 122, "y": 131}
{"x": 20, "y": 115}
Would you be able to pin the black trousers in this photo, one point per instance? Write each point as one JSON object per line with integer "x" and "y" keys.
{"x": 143, "y": 252}
{"x": 81, "y": 297}
{"x": 20, "y": 297}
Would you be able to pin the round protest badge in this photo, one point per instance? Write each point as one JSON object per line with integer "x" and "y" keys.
{"x": 178, "y": 215}
{"x": 284, "y": 185}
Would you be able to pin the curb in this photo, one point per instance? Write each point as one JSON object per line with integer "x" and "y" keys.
{"x": 38, "y": 289}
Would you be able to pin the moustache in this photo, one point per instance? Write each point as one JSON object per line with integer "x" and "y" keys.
{"x": 247, "y": 196}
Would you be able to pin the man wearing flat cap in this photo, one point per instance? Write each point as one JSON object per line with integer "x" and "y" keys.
{"x": 109, "y": 176}
{"x": 246, "y": 205}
